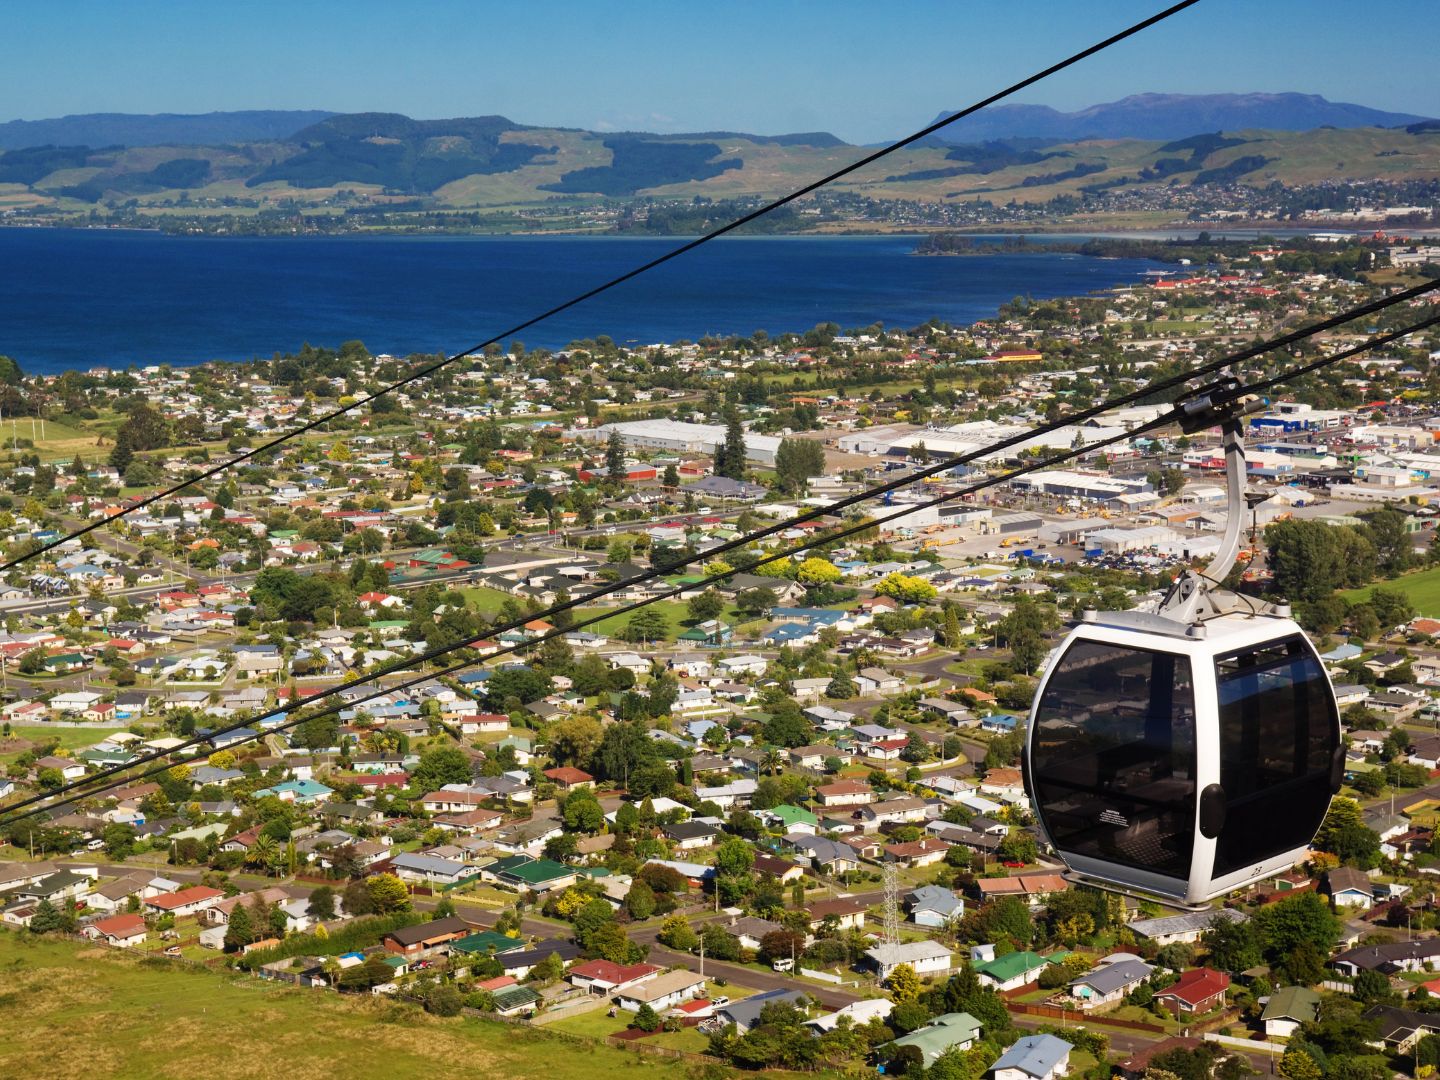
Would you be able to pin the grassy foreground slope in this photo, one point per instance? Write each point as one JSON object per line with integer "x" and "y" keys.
{"x": 81, "y": 1011}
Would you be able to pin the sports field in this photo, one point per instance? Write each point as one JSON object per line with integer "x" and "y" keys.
{"x": 1422, "y": 588}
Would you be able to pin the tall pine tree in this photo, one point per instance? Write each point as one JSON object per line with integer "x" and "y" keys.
{"x": 730, "y": 457}
{"x": 615, "y": 457}
{"x": 240, "y": 931}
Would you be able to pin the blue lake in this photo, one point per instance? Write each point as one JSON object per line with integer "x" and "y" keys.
{"x": 78, "y": 298}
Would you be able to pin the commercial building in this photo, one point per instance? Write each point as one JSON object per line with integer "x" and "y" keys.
{"x": 678, "y": 436}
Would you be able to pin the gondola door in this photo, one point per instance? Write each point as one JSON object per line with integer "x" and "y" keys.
{"x": 1113, "y": 763}
{"x": 1280, "y": 755}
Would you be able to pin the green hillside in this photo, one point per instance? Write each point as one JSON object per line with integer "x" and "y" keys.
{"x": 380, "y": 161}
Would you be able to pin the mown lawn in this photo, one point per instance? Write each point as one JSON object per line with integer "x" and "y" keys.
{"x": 89, "y": 1012}
{"x": 677, "y": 618}
{"x": 486, "y": 601}
{"x": 69, "y": 737}
{"x": 1421, "y": 588}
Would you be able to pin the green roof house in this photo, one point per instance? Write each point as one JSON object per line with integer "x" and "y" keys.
{"x": 1289, "y": 1008}
{"x": 1011, "y": 971}
{"x": 789, "y": 816}
{"x": 486, "y": 942}
{"x": 538, "y": 875}
{"x": 949, "y": 1030}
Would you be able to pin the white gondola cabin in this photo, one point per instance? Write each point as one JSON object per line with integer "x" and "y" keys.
{"x": 1185, "y": 766}
{"x": 1189, "y": 751}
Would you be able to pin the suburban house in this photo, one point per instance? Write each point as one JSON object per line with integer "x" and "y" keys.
{"x": 1033, "y": 1057}
{"x": 1185, "y": 928}
{"x": 1349, "y": 887}
{"x": 826, "y": 855}
{"x": 413, "y": 942}
{"x": 1290, "y": 1008}
{"x": 948, "y": 1031}
{"x": 894, "y": 811}
{"x": 1107, "y": 984}
{"x": 453, "y": 802}
{"x": 1196, "y": 992}
{"x": 413, "y": 866}
{"x": 1400, "y": 1029}
{"x": 845, "y": 793}
{"x": 926, "y": 957}
{"x": 604, "y": 977}
{"x": 848, "y": 914}
{"x": 877, "y": 682}
{"x": 219, "y": 914}
{"x": 750, "y": 931}
{"x": 927, "y": 851}
{"x": 663, "y": 992}
{"x": 812, "y": 757}
{"x": 1033, "y": 888}
{"x": 525, "y": 874}
{"x": 300, "y": 792}
{"x": 1011, "y": 971}
{"x": 124, "y": 931}
{"x": 745, "y": 1013}
{"x": 858, "y": 1013}
{"x": 934, "y": 906}
{"x": 690, "y": 835}
{"x": 189, "y": 901}
{"x": 519, "y": 964}
{"x": 568, "y": 778}
{"x": 1389, "y": 958}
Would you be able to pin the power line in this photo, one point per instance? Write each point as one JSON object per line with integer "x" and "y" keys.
{"x": 430, "y": 369}
{"x": 1160, "y": 422}
{"x": 771, "y": 530}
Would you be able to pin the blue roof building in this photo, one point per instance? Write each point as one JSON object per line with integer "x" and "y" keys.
{"x": 1034, "y": 1057}
{"x": 302, "y": 792}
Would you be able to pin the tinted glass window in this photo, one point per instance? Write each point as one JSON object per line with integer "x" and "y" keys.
{"x": 1278, "y": 730}
{"x": 1113, "y": 757}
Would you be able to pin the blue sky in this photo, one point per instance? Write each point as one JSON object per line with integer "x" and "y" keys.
{"x": 865, "y": 71}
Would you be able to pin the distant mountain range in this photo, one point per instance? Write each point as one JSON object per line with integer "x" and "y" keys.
{"x": 381, "y": 162}
{"x": 158, "y": 129}
{"x": 1169, "y": 116}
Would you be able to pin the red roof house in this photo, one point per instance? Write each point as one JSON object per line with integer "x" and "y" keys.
{"x": 122, "y": 930}
{"x": 1195, "y": 992}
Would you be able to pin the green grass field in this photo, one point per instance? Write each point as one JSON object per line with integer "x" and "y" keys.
{"x": 1422, "y": 588}
{"x": 89, "y": 1012}
{"x": 69, "y": 737}
{"x": 675, "y": 612}
{"x": 486, "y": 601}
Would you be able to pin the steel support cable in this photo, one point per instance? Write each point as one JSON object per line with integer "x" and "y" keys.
{"x": 1159, "y": 423}
{"x": 764, "y": 533}
{"x": 620, "y": 279}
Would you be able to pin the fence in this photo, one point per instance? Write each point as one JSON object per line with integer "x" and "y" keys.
{"x": 1078, "y": 1016}
{"x": 1258, "y": 1046}
{"x": 574, "y": 1007}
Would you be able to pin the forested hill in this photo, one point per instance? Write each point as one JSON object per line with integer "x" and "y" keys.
{"x": 158, "y": 129}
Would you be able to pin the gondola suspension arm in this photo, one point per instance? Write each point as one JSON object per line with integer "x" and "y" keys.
{"x": 1226, "y": 405}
